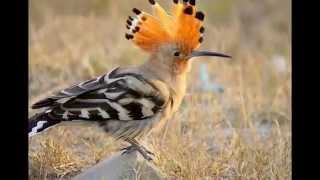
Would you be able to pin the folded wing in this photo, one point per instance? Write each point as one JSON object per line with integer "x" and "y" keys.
{"x": 116, "y": 96}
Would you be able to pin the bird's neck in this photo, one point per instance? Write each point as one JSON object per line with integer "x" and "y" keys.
{"x": 174, "y": 75}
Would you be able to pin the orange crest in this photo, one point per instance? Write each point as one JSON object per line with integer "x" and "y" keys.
{"x": 182, "y": 26}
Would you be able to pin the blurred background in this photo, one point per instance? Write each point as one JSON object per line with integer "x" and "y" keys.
{"x": 236, "y": 116}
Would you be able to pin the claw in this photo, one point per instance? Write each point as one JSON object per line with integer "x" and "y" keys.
{"x": 125, "y": 148}
{"x": 142, "y": 150}
{"x": 128, "y": 150}
{"x": 148, "y": 158}
{"x": 147, "y": 151}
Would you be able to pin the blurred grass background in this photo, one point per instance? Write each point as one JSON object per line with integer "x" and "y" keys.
{"x": 241, "y": 132}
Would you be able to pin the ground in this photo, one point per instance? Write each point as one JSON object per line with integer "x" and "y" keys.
{"x": 242, "y": 131}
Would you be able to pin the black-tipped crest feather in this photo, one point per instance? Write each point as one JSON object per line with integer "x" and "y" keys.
{"x": 136, "y": 11}
{"x": 152, "y": 2}
{"x": 188, "y": 10}
{"x": 200, "y": 15}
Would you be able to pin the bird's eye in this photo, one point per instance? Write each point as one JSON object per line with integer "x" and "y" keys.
{"x": 177, "y": 53}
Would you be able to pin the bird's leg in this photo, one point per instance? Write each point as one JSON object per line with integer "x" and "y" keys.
{"x": 135, "y": 146}
{"x": 142, "y": 147}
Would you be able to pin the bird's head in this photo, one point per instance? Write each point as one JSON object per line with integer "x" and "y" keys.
{"x": 171, "y": 38}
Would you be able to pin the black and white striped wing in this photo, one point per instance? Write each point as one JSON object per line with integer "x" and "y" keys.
{"x": 117, "y": 96}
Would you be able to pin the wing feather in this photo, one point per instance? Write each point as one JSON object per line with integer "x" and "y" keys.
{"x": 116, "y": 95}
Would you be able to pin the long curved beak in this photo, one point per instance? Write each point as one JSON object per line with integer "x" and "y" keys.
{"x": 208, "y": 53}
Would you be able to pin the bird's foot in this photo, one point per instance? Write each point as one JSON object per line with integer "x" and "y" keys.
{"x": 147, "y": 151}
{"x": 142, "y": 150}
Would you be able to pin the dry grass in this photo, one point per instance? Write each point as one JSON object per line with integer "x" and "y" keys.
{"x": 213, "y": 136}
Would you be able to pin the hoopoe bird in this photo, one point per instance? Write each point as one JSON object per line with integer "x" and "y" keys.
{"x": 128, "y": 102}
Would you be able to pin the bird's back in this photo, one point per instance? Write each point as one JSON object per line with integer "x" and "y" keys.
{"x": 125, "y": 101}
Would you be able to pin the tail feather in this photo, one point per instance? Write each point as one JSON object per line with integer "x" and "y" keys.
{"x": 44, "y": 103}
{"x": 40, "y": 122}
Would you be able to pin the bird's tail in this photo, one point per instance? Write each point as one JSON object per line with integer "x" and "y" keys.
{"x": 40, "y": 122}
